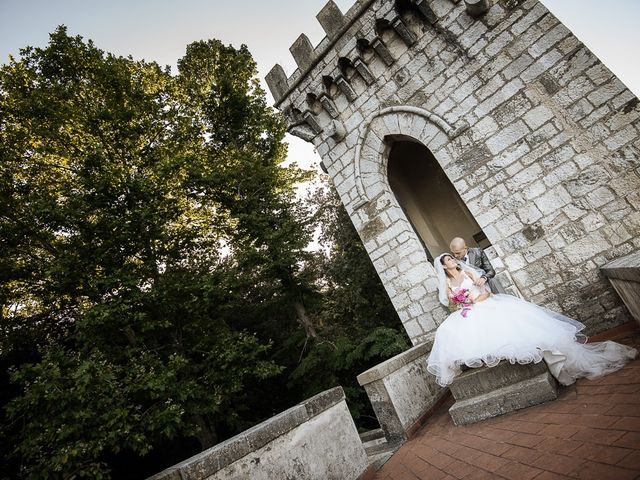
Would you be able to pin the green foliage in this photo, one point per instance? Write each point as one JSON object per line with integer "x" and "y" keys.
{"x": 156, "y": 283}
{"x": 112, "y": 221}
{"x": 360, "y": 327}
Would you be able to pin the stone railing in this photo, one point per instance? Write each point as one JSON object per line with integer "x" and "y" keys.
{"x": 624, "y": 275}
{"x": 402, "y": 392}
{"x": 315, "y": 439}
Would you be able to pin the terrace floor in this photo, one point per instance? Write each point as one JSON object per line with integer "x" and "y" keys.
{"x": 592, "y": 431}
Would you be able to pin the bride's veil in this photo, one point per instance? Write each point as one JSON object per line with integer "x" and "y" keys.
{"x": 442, "y": 279}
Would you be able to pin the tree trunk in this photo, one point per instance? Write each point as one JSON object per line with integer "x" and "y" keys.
{"x": 205, "y": 435}
{"x": 304, "y": 320}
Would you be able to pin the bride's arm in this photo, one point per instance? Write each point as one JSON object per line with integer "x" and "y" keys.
{"x": 476, "y": 298}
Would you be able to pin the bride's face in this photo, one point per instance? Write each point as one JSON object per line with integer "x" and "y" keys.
{"x": 450, "y": 263}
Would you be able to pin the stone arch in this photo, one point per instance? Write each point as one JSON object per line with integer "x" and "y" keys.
{"x": 370, "y": 160}
{"x": 393, "y": 244}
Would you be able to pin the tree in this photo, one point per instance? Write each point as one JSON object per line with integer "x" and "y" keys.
{"x": 156, "y": 283}
{"x": 119, "y": 304}
{"x": 360, "y": 325}
{"x": 244, "y": 152}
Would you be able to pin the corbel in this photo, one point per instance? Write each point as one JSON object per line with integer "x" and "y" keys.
{"x": 327, "y": 104}
{"x": 383, "y": 52}
{"x": 403, "y": 32}
{"x": 364, "y": 71}
{"x": 345, "y": 87}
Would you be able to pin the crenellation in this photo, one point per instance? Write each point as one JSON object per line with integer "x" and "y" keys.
{"x": 302, "y": 52}
{"x": 331, "y": 19}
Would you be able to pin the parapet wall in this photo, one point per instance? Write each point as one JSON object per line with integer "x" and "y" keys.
{"x": 538, "y": 137}
{"x": 315, "y": 440}
{"x": 402, "y": 392}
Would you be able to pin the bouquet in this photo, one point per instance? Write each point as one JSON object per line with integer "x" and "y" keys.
{"x": 460, "y": 301}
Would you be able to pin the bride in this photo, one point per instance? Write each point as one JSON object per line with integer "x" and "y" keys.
{"x": 489, "y": 328}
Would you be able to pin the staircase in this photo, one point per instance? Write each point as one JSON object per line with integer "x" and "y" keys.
{"x": 377, "y": 448}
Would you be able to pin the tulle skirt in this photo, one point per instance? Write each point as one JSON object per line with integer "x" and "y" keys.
{"x": 504, "y": 327}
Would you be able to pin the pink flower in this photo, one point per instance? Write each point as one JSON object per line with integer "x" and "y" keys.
{"x": 461, "y": 299}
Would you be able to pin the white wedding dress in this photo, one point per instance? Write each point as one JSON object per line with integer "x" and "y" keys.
{"x": 504, "y": 327}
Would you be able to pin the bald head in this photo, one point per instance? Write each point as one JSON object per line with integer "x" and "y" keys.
{"x": 458, "y": 247}
{"x": 457, "y": 243}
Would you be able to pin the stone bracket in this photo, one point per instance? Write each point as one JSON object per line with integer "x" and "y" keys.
{"x": 403, "y": 32}
{"x": 364, "y": 71}
{"x": 336, "y": 131}
{"x": 425, "y": 10}
{"x": 304, "y": 126}
{"x": 328, "y": 104}
{"x": 383, "y": 52}
{"x": 477, "y": 8}
{"x": 345, "y": 87}
{"x": 302, "y": 131}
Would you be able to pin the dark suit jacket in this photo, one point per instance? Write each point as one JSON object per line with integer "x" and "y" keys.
{"x": 479, "y": 259}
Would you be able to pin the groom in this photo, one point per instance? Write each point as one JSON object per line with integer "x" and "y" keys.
{"x": 477, "y": 258}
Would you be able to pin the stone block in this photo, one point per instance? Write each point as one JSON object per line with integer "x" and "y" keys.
{"x": 538, "y": 116}
{"x": 507, "y": 137}
{"x": 508, "y": 398}
{"x": 517, "y": 66}
{"x": 478, "y": 381}
{"x": 530, "y": 19}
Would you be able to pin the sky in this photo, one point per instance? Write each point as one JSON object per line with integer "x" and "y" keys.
{"x": 160, "y": 30}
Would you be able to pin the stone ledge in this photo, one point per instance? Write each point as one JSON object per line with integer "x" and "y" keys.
{"x": 478, "y": 381}
{"x": 624, "y": 268}
{"x": 387, "y": 367}
{"x": 225, "y": 453}
{"x": 529, "y": 392}
{"x": 624, "y": 275}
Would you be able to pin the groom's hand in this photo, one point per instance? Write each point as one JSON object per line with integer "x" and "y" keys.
{"x": 481, "y": 281}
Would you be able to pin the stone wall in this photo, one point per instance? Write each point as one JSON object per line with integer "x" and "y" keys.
{"x": 624, "y": 275}
{"x": 315, "y": 440}
{"x": 401, "y": 392}
{"x": 538, "y": 137}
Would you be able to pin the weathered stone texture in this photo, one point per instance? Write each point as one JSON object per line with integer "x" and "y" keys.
{"x": 541, "y": 140}
{"x": 315, "y": 439}
{"x": 401, "y": 391}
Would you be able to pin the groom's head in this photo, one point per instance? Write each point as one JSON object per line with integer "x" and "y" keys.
{"x": 458, "y": 247}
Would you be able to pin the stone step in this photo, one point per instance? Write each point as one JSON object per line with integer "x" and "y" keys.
{"x": 371, "y": 435}
{"x": 377, "y": 460}
{"x": 375, "y": 446}
{"x": 478, "y": 381}
{"x": 526, "y": 393}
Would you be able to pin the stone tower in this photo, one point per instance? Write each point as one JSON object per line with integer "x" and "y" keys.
{"x": 485, "y": 119}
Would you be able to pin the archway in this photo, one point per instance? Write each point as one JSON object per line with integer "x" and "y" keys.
{"x": 429, "y": 200}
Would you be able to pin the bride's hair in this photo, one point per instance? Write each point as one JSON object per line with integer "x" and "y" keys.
{"x": 442, "y": 260}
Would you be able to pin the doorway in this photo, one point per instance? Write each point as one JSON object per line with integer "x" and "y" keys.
{"x": 429, "y": 199}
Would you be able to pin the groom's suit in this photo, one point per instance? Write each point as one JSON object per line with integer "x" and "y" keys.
{"x": 477, "y": 258}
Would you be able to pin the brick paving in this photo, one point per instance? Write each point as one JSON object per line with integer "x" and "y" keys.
{"x": 592, "y": 431}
